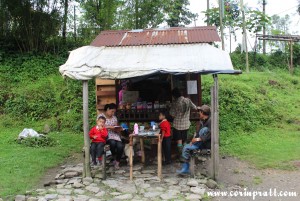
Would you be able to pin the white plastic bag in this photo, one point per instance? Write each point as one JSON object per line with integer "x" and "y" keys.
{"x": 29, "y": 132}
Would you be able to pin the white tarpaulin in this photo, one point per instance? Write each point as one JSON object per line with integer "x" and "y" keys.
{"x": 88, "y": 62}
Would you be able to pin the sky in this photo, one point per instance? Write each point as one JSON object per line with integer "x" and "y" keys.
{"x": 280, "y": 7}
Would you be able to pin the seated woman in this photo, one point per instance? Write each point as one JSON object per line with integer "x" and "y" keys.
{"x": 114, "y": 138}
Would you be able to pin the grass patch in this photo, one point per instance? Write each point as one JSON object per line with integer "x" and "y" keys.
{"x": 273, "y": 141}
{"x": 21, "y": 167}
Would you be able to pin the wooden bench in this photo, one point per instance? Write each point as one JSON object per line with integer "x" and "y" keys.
{"x": 194, "y": 154}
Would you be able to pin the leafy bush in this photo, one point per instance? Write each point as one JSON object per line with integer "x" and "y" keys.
{"x": 243, "y": 106}
{"x": 44, "y": 141}
{"x": 32, "y": 89}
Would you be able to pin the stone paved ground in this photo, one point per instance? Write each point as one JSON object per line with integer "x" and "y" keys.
{"x": 68, "y": 185}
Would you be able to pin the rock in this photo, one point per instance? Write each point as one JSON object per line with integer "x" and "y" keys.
{"x": 115, "y": 193}
{"x": 64, "y": 191}
{"x": 137, "y": 168}
{"x": 99, "y": 175}
{"x": 20, "y": 198}
{"x": 144, "y": 186}
{"x": 87, "y": 181}
{"x": 29, "y": 199}
{"x": 95, "y": 199}
{"x": 193, "y": 197}
{"x": 73, "y": 169}
{"x": 152, "y": 194}
{"x": 64, "y": 199}
{"x": 81, "y": 198}
{"x": 92, "y": 189}
{"x": 192, "y": 183}
{"x": 171, "y": 181}
{"x": 46, "y": 129}
{"x": 198, "y": 190}
{"x": 143, "y": 175}
{"x": 202, "y": 181}
{"x": 211, "y": 184}
{"x": 71, "y": 174}
{"x": 124, "y": 197}
{"x": 78, "y": 185}
{"x": 60, "y": 186}
{"x": 100, "y": 194}
{"x": 160, "y": 189}
{"x": 139, "y": 182}
{"x": 120, "y": 172}
{"x": 167, "y": 196}
{"x": 178, "y": 188}
{"x": 42, "y": 199}
{"x": 60, "y": 176}
{"x": 111, "y": 183}
{"x": 127, "y": 188}
{"x": 68, "y": 186}
{"x": 79, "y": 191}
{"x": 185, "y": 189}
{"x": 51, "y": 196}
{"x": 148, "y": 172}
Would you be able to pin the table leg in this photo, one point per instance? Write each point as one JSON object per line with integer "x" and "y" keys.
{"x": 131, "y": 158}
{"x": 142, "y": 150}
{"x": 159, "y": 159}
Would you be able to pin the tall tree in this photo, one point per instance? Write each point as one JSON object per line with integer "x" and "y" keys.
{"x": 178, "y": 13}
{"x": 65, "y": 19}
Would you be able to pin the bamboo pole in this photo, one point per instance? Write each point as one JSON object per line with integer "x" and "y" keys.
{"x": 130, "y": 158}
{"x": 215, "y": 127}
{"x": 87, "y": 167}
{"x": 159, "y": 158}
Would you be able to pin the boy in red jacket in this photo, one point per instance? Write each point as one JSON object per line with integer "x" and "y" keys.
{"x": 165, "y": 130}
{"x": 98, "y": 135}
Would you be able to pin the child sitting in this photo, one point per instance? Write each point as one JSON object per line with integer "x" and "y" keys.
{"x": 98, "y": 135}
{"x": 165, "y": 129}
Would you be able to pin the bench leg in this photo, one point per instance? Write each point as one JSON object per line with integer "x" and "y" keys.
{"x": 104, "y": 166}
{"x": 192, "y": 166}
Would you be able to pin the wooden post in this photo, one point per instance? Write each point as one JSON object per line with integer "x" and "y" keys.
{"x": 159, "y": 158}
{"x": 199, "y": 82}
{"x": 142, "y": 149}
{"x": 215, "y": 127}
{"x": 207, "y": 9}
{"x": 87, "y": 167}
{"x": 291, "y": 57}
{"x": 130, "y": 157}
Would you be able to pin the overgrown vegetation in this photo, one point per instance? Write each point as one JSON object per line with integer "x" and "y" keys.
{"x": 260, "y": 117}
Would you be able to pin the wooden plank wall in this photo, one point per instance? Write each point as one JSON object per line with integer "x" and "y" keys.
{"x": 105, "y": 93}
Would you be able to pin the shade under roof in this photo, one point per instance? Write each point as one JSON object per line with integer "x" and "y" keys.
{"x": 124, "y": 62}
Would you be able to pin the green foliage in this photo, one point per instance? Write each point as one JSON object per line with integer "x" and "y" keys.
{"x": 32, "y": 89}
{"x": 261, "y": 62}
{"x": 232, "y": 19}
{"x": 44, "y": 141}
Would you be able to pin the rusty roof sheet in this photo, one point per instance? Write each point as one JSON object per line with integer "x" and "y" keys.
{"x": 174, "y": 35}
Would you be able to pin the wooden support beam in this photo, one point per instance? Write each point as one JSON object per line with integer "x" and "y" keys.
{"x": 215, "y": 127}
{"x": 86, "y": 148}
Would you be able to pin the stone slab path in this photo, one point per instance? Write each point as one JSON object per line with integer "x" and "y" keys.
{"x": 68, "y": 185}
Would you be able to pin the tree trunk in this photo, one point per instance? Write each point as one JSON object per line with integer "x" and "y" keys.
{"x": 65, "y": 19}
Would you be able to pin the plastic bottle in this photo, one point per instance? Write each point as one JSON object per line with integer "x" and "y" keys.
{"x": 136, "y": 128}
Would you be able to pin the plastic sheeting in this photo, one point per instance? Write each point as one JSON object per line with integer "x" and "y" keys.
{"x": 89, "y": 62}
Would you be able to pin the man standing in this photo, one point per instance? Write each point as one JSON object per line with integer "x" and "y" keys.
{"x": 180, "y": 111}
{"x": 201, "y": 140}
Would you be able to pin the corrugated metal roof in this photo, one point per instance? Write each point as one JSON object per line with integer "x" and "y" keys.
{"x": 174, "y": 35}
